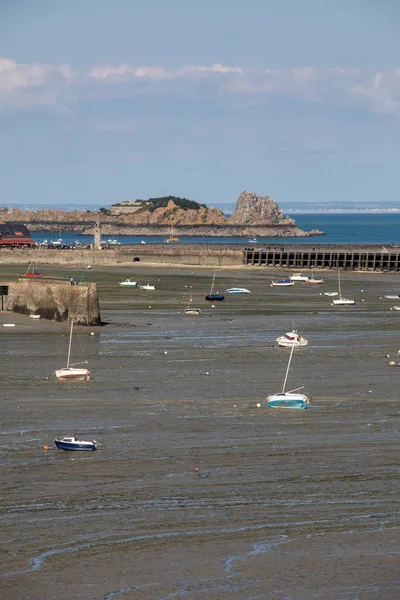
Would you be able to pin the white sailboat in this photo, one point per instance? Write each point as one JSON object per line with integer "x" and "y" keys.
{"x": 190, "y": 310}
{"x": 314, "y": 280}
{"x": 70, "y": 371}
{"x": 292, "y": 399}
{"x": 341, "y": 301}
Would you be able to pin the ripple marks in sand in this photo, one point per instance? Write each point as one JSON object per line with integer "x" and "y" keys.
{"x": 300, "y": 526}
{"x": 207, "y": 585}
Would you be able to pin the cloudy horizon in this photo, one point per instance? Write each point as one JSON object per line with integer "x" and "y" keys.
{"x": 206, "y": 117}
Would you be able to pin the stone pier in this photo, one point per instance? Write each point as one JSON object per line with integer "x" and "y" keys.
{"x": 54, "y": 300}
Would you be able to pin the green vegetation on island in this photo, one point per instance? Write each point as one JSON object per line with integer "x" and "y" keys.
{"x": 153, "y": 203}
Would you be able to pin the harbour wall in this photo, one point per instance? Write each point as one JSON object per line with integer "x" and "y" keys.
{"x": 178, "y": 254}
{"x": 53, "y": 300}
{"x": 300, "y": 256}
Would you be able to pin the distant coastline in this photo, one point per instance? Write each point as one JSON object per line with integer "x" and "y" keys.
{"x": 324, "y": 211}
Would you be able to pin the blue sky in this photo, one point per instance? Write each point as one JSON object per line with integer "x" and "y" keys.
{"x": 106, "y": 101}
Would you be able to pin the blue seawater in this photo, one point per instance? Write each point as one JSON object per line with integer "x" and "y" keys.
{"x": 339, "y": 228}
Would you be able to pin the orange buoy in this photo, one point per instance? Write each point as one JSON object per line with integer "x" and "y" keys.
{"x": 45, "y": 448}
{"x": 196, "y": 469}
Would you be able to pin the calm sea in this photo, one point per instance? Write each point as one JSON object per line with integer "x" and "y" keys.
{"x": 343, "y": 228}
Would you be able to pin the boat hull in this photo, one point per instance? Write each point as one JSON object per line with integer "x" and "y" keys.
{"x": 282, "y": 283}
{"x": 288, "y": 400}
{"x": 215, "y": 297}
{"x": 238, "y": 291}
{"x": 343, "y": 302}
{"x": 75, "y": 446}
{"x": 285, "y": 343}
{"x": 73, "y": 374}
{"x": 192, "y": 311}
{"x": 299, "y": 277}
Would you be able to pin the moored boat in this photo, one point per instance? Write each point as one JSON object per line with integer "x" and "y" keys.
{"x": 190, "y": 310}
{"x": 292, "y": 338}
{"x": 342, "y": 301}
{"x": 292, "y": 399}
{"x": 298, "y": 277}
{"x": 314, "y": 280}
{"x": 70, "y": 372}
{"x": 73, "y": 443}
{"x": 32, "y": 273}
{"x": 288, "y": 400}
{"x": 282, "y": 282}
{"x": 128, "y": 283}
{"x": 238, "y": 291}
{"x": 214, "y": 297}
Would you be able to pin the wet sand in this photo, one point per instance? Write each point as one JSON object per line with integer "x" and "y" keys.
{"x": 284, "y": 504}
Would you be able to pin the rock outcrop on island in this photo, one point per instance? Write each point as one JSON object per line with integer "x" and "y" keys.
{"x": 257, "y": 210}
{"x": 253, "y": 216}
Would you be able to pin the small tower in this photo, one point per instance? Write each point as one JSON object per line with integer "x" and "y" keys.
{"x": 97, "y": 235}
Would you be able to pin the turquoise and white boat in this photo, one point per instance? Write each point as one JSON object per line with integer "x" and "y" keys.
{"x": 236, "y": 290}
{"x": 292, "y": 399}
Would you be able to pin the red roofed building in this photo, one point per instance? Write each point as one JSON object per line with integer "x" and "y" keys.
{"x": 15, "y": 235}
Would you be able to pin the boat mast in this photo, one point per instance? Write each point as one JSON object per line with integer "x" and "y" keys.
{"x": 70, "y": 341}
{"x": 287, "y": 370}
{"x": 28, "y": 269}
{"x": 212, "y": 284}
{"x": 190, "y": 299}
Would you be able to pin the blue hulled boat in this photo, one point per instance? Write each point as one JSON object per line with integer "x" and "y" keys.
{"x": 73, "y": 443}
{"x": 217, "y": 297}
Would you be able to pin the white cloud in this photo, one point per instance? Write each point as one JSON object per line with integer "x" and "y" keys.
{"x": 102, "y": 72}
{"x": 33, "y": 84}
{"x": 14, "y": 76}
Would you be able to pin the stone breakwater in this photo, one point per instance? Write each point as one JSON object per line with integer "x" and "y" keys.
{"x": 301, "y": 256}
{"x": 54, "y": 300}
{"x": 179, "y": 254}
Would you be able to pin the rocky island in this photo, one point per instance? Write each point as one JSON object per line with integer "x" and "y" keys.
{"x": 254, "y": 216}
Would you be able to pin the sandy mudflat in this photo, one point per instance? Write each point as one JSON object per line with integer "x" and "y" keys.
{"x": 285, "y": 504}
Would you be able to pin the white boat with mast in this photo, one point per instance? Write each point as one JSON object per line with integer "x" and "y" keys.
{"x": 342, "y": 301}
{"x": 314, "y": 280}
{"x": 291, "y": 399}
{"x": 71, "y": 371}
{"x": 190, "y": 310}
